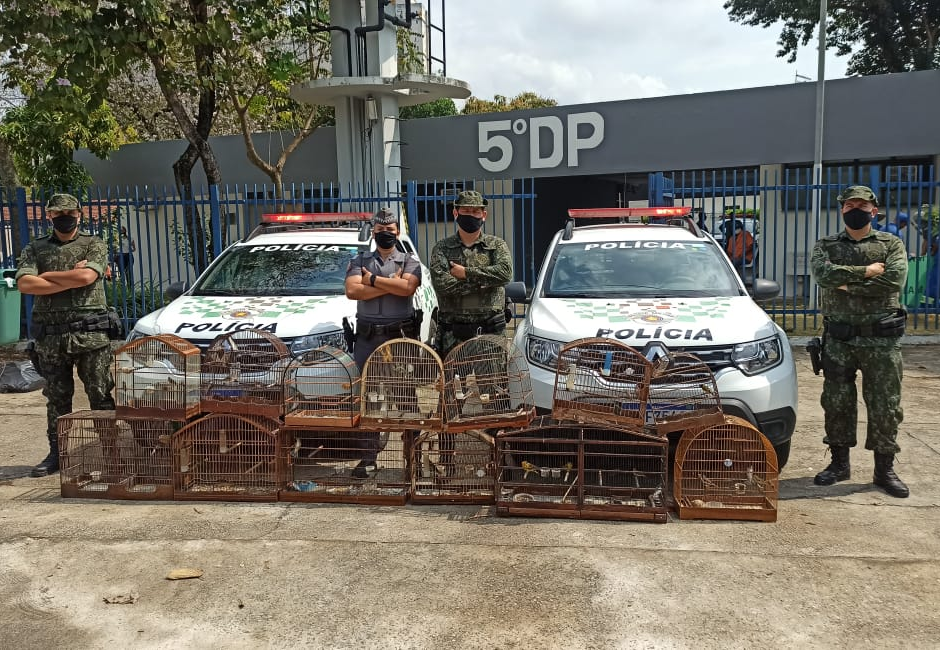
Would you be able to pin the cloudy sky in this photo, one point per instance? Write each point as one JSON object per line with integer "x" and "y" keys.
{"x": 578, "y": 51}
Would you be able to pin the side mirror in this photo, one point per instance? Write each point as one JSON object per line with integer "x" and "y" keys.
{"x": 176, "y": 289}
{"x": 517, "y": 292}
{"x": 762, "y": 289}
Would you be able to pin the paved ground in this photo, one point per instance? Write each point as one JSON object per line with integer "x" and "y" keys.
{"x": 844, "y": 567}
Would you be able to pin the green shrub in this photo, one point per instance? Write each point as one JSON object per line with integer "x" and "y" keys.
{"x": 133, "y": 301}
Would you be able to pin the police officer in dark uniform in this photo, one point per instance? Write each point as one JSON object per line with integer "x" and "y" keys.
{"x": 383, "y": 282}
{"x": 64, "y": 271}
{"x": 470, "y": 270}
{"x": 861, "y": 272}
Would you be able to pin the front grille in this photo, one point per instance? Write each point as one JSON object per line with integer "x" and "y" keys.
{"x": 716, "y": 357}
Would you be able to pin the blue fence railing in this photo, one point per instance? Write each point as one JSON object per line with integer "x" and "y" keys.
{"x": 156, "y": 237}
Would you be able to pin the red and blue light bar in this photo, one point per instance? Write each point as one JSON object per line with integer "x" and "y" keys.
{"x": 621, "y": 213}
{"x": 315, "y": 217}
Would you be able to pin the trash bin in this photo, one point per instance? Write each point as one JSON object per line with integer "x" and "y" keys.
{"x": 9, "y": 308}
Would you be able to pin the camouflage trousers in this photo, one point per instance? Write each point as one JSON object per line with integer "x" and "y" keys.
{"x": 449, "y": 340}
{"x": 94, "y": 369}
{"x": 882, "y": 370}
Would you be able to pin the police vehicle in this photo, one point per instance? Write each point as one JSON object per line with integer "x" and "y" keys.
{"x": 287, "y": 278}
{"x": 650, "y": 278}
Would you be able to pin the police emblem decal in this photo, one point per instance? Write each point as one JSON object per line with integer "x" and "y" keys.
{"x": 652, "y": 316}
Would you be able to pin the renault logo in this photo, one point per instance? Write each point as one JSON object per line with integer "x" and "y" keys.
{"x": 655, "y": 351}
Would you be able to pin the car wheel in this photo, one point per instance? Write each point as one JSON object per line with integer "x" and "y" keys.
{"x": 783, "y": 453}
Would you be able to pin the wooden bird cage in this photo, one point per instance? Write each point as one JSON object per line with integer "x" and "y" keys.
{"x": 332, "y": 467}
{"x": 683, "y": 394}
{"x": 157, "y": 376}
{"x": 229, "y": 457}
{"x": 573, "y": 470}
{"x": 448, "y": 467}
{"x": 401, "y": 387}
{"x": 105, "y": 457}
{"x": 603, "y": 381}
{"x": 487, "y": 385}
{"x": 321, "y": 390}
{"x": 726, "y": 471}
{"x": 243, "y": 372}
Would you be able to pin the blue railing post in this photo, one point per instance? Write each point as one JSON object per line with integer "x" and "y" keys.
{"x": 412, "y": 210}
{"x": 22, "y": 216}
{"x": 215, "y": 220}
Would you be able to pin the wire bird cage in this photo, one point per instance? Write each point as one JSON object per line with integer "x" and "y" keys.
{"x": 229, "y": 457}
{"x": 157, "y": 376}
{"x": 726, "y": 471}
{"x": 567, "y": 469}
{"x": 105, "y": 457}
{"x": 451, "y": 467}
{"x": 243, "y": 372}
{"x": 401, "y": 387}
{"x": 487, "y": 385}
{"x": 321, "y": 390}
{"x": 683, "y": 394}
{"x": 348, "y": 466}
{"x": 603, "y": 381}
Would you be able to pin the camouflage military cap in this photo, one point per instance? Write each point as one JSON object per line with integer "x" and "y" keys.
{"x": 470, "y": 199}
{"x": 384, "y": 217}
{"x": 63, "y": 202}
{"x": 857, "y": 192}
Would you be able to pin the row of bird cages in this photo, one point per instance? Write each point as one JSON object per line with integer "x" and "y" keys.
{"x": 484, "y": 383}
{"x": 726, "y": 471}
{"x": 551, "y": 468}
{"x": 604, "y": 381}
{"x": 569, "y": 469}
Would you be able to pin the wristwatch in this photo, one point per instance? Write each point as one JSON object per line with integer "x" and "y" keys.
{"x": 372, "y": 280}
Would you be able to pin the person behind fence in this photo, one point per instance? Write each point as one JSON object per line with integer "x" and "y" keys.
{"x": 124, "y": 257}
{"x": 740, "y": 246}
{"x": 470, "y": 271}
{"x": 383, "y": 283}
{"x": 861, "y": 272}
{"x": 64, "y": 271}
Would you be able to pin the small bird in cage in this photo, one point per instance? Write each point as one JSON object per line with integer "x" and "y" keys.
{"x": 707, "y": 389}
{"x": 528, "y": 468}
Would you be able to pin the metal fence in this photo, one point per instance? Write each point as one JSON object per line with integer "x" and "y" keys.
{"x": 175, "y": 237}
{"x": 790, "y": 210}
{"x": 156, "y": 237}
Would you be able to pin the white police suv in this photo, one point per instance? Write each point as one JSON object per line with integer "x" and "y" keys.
{"x": 287, "y": 277}
{"x": 650, "y": 278}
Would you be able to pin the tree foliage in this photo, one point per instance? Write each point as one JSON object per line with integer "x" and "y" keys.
{"x": 882, "y": 36}
{"x": 500, "y": 103}
{"x": 442, "y": 107}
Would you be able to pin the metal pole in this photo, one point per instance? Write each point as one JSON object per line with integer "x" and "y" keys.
{"x": 820, "y": 106}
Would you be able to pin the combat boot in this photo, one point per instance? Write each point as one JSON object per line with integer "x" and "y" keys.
{"x": 886, "y": 479}
{"x": 838, "y": 470}
{"x": 49, "y": 464}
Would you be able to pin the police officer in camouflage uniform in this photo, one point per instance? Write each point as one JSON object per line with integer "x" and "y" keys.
{"x": 861, "y": 272}
{"x": 383, "y": 282}
{"x": 469, "y": 271}
{"x": 64, "y": 271}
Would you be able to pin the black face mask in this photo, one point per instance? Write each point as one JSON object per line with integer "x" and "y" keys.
{"x": 386, "y": 239}
{"x": 856, "y": 218}
{"x": 469, "y": 223}
{"x": 65, "y": 223}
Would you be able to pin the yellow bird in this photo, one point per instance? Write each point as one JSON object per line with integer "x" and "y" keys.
{"x": 529, "y": 468}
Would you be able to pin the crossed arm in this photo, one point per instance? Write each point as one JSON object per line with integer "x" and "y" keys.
{"x": 52, "y": 282}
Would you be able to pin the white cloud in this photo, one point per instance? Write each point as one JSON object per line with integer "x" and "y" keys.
{"x": 578, "y": 51}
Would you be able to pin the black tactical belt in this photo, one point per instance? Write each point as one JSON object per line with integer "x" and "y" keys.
{"x": 369, "y": 330}
{"x": 488, "y": 325}
{"x": 892, "y": 326}
{"x": 94, "y": 323}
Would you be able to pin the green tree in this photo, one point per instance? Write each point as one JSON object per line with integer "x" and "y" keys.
{"x": 883, "y": 36}
{"x": 44, "y": 133}
{"x": 500, "y": 103}
{"x": 442, "y": 107}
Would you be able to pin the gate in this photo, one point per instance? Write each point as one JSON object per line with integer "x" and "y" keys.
{"x": 778, "y": 204}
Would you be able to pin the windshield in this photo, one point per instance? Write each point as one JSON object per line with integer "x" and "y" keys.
{"x": 279, "y": 270}
{"x": 639, "y": 268}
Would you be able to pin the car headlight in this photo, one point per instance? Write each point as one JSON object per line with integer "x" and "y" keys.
{"x": 302, "y": 344}
{"x": 757, "y": 356}
{"x": 133, "y": 335}
{"x": 543, "y": 352}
